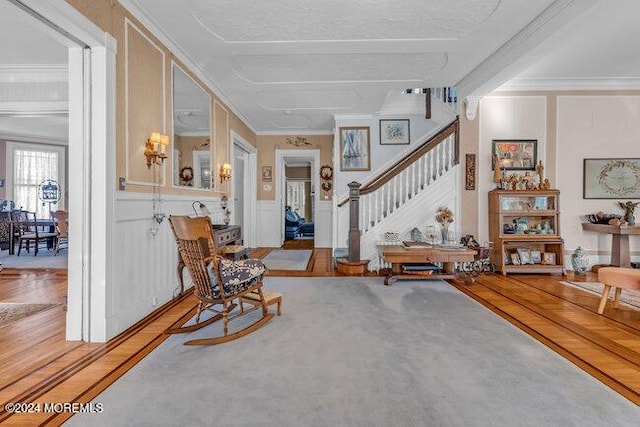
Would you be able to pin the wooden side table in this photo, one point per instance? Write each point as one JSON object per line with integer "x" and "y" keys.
{"x": 270, "y": 297}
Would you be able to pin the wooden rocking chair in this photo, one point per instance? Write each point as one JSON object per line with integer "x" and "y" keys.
{"x": 216, "y": 280}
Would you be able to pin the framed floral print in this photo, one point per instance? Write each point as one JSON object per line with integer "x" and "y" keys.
{"x": 611, "y": 179}
{"x": 394, "y": 132}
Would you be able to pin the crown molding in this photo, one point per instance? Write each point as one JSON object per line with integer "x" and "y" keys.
{"x": 289, "y": 132}
{"x": 27, "y": 73}
{"x": 612, "y": 83}
{"x": 513, "y": 56}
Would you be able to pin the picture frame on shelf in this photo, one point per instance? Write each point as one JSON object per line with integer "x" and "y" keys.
{"x": 611, "y": 178}
{"x": 515, "y": 154}
{"x": 536, "y": 256}
{"x": 355, "y": 149}
{"x": 549, "y": 258}
{"x": 394, "y": 132}
{"x": 525, "y": 255}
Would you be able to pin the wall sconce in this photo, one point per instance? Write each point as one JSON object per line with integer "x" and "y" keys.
{"x": 225, "y": 172}
{"x": 154, "y": 148}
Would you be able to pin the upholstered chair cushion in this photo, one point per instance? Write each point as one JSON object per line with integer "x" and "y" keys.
{"x": 237, "y": 276}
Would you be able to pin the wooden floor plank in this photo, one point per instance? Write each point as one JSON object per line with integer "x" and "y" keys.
{"x": 37, "y": 364}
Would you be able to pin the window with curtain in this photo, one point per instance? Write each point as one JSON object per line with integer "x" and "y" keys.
{"x": 30, "y": 168}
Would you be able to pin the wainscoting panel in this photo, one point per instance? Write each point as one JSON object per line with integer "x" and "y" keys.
{"x": 269, "y": 224}
{"x": 323, "y": 224}
{"x": 144, "y": 268}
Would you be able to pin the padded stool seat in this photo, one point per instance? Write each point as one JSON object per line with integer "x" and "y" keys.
{"x": 618, "y": 278}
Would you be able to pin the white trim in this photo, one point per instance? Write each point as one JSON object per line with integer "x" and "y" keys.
{"x": 30, "y": 73}
{"x": 290, "y": 133}
{"x": 564, "y": 84}
{"x": 127, "y": 24}
{"x": 250, "y": 220}
{"x": 280, "y": 182}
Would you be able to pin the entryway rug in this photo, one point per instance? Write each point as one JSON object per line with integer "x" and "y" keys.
{"x": 12, "y": 311}
{"x": 631, "y": 298}
{"x": 281, "y": 259}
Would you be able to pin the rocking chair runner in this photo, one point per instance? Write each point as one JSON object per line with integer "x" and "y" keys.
{"x": 217, "y": 281}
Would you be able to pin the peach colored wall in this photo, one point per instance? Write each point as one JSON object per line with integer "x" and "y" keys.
{"x": 152, "y": 98}
{"x": 267, "y": 146}
{"x": 469, "y": 144}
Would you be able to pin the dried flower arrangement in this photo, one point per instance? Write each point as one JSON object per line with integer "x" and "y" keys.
{"x": 444, "y": 216}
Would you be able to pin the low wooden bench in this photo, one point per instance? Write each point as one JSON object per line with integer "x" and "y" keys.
{"x": 270, "y": 297}
{"x": 618, "y": 278}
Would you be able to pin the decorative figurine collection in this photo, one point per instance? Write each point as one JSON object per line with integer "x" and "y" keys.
{"x": 516, "y": 181}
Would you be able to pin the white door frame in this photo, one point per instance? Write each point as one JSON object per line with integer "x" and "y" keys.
{"x": 91, "y": 167}
{"x": 313, "y": 156}
{"x": 250, "y": 178}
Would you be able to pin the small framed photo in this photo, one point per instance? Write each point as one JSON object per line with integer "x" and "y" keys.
{"x": 549, "y": 258}
{"x": 515, "y": 258}
{"x": 536, "y": 256}
{"x": 267, "y": 174}
{"x": 354, "y": 149}
{"x": 506, "y": 257}
{"x": 516, "y": 154}
{"x": 394, "y": 132}
{"x": 525, "y": 255}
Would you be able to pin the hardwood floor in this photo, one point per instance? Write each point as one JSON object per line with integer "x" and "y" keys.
{"x": 38, "y": 365}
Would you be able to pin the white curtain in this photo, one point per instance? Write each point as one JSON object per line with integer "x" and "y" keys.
{"x": 296, "y": 196}
{"x": 31, "y": 167}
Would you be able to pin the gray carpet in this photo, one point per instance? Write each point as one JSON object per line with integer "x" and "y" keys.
{"x": 44, "y": 259}
{"x": 292, "y": 259}
{"x": 352, "y": 352}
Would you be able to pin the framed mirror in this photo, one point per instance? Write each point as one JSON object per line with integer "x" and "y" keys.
{"x": 191, "y": 132}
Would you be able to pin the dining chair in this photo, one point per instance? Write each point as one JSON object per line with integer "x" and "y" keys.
{"x": 28, "y": 231}
{"x": 61, "y": 222}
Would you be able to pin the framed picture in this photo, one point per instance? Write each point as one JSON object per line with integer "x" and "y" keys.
{"x": 470, "y": 171}
{"x": 354, "y": 149}
{"x": 536, "y": 256}
{"x": 516, "y": 154}
{"x": 549, "y": 258}
{"x": 267, "y": 174}
{"x": 611, "y": 179}
{"x": 525, "y": 256}
{"x": 394, "y": 132}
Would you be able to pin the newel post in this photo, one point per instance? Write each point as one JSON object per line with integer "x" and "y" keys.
{"x": 354, "y": 223}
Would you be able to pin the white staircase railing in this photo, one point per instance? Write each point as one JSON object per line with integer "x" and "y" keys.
{"x": 397, "y": 185}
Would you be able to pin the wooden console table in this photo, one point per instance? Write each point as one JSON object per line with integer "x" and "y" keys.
{"x": 620, "y": 255}
{"x": 398, "y": 255}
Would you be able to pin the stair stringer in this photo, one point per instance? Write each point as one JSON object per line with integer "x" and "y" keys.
{"x": 419, "y": 211}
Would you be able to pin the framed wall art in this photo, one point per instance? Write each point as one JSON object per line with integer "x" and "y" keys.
{"x": 394, "y": 132}
{"x": 355, "y": 149}
{"x": 470, "y": 171}
{"x": 516, "y": 154}
{"x": 267, "y": 174}
{"x": 611, "y": 179}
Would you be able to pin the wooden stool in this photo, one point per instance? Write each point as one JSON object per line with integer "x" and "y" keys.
{"x": 618, "y": 278}
{"x": 269, "y": 296}
{"x": 235, "y": 252}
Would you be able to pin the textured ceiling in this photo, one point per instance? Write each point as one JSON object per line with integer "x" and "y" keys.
{"x": 289, "y": 66}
